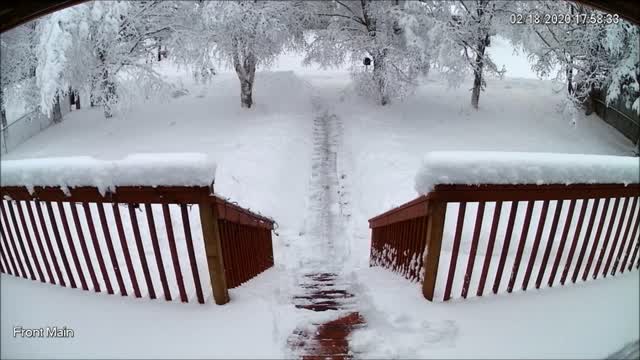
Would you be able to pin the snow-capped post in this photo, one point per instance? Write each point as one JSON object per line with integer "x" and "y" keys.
{"x": 213, "y": 247}
{"x": 436, "y": 210}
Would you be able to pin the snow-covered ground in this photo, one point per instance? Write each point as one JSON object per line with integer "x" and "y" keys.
{"x": 265, "y": 159}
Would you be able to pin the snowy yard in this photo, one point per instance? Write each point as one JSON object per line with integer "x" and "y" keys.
{"x": 321, "y": 160}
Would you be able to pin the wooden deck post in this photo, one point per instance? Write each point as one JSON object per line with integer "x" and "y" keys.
{"x": 215, "y": 261}
{"x": 435, "y": 228}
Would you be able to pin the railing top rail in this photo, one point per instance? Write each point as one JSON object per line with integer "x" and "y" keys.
{"x": 121, "y": 194}
{"x": 140, "y": 195}
{"x": 490, "y": 192}
{"x": 411, "y": 210}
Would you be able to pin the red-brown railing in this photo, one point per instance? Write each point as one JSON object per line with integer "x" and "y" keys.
{"x": 145, "y": 241}
{"x": 246, "y": 243}
{"x": 540, "y": 235}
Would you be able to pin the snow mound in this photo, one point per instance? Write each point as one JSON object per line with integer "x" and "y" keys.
{"x": 169, "y": 169}
{"x": 488, "y": 167}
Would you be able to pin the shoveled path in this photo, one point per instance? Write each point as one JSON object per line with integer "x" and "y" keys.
{"x": 321, "y": 288}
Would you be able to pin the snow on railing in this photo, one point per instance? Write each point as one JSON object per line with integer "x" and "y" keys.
{"x": 487, "y": 167}
{"x": 564, "y": 219}
{"x": 172, "y": 169}
{"x": 111, "y": 226}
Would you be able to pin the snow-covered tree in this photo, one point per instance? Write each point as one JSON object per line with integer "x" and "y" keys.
{"x": 587, "y": 53}
{"x": 243, "y": 34}
{"x": 97, "y": 46}
{"x": 369, "y": 31}
{"x": 461, "y": 34}
{"x": 18, "y": 66}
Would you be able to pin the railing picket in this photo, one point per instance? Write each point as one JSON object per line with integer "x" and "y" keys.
{"x": 72, "y": 247}
{"x": 536, "y": 245}
{"x": 245, "y": 253}
{"x": 415, "y": 224}
{"x": 174, "y": 252}
{"x": 523, "y": 239}
{"x": 596, "y": 240}
{"x": 110, "y": 249}
{"x": 232, "y": 263}
{"x": 225, "y": 232}
{"x": 83, "y": 247}
{"x": 490, "y": 244}
{"x": 618, "y": 257}
{"x": 25, "y": 256}
{"x": 96, "y": 247}
{"x": 47, "y": 238}
{"x": 574, "y": 243}
{"x": 585, "y": 240}
{"x": 29, "y": 241}
{"x": 607, "y": 237}
{"x": 635, "y": 253}
{"x": 616, "y": 237}
{"x": 454, "y": 252}
{"x": 191, "y": 251}
{"x": 6, "y": 269}
{"x": 563, "y": 241}
{"x": 235, "y": 253}
{"x": 141, "y": 254}
{"x": 125, "y": 249}
{"x": 636, "y": 225}
{"x": 229, "y": 263}
{"x": 550, "y": 240}
{"x": 23, "y": 250}
{"x": 248, "y": 249}
{"x": 224, "y": 246}
{"x": 41, "y": 248}
{"x": 5, "y": 239}
{"x": 474, "y": 248}
{"x": 12, "y": 240}
{"x": 252, "y": 245}
{"x": 420, "y": 246}
{"x": 61, "y": 251}
{"x": 505, "y": 246}
{"x": 156, "y": 251}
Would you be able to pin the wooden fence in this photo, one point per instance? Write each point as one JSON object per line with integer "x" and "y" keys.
{"x": 149, "y": 233}
{"x": 569, "y": 233}
{"x": 618, "y": 115}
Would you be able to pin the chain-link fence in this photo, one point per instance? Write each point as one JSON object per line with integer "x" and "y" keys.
{"x": 28, "y": 125}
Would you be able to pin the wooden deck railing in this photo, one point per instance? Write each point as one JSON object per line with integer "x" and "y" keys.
{"x": 556, "y": 233}
{"x": 151, "y": 237}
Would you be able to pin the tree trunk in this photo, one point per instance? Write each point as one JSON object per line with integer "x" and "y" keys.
{"x": 378, "y": 76}
{"x": 477, "y": 71}
{"x": 246, "y": 71}
{"x": 570, "y": 80}
{"x": 109, "y": 95}
{"x": 3, "y": 113}
{"x": 56, "y": 114}
{"x": 3, "y": 118}
{"x": 77, "y": 99}
{"x": 3, "y": 122}
{"x": 107, "y": 88}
